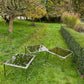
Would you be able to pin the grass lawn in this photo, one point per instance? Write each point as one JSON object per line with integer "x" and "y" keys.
{"x": 43, "y": 33}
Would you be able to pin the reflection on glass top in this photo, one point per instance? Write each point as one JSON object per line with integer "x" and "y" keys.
{"x": 36, "y": 48}
{"x": 20, "y": 59}
{"x": 60, "y": 51}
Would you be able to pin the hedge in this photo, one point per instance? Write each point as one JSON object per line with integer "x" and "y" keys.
{"x": 75, "y": 42}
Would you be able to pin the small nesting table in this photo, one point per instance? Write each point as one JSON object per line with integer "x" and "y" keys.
{"x": 36, "y": 49}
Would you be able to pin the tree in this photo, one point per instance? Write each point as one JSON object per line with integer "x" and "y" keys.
{"x": 57, "y": 7}
{"x": 12, "y": 8}
{"x": 78, "y": 6}
{"x": 35, "y": 9}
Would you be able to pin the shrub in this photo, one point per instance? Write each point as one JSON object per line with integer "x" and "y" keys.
{"x": 1, "y": 19}
{"x": 79, "y": 27}
{"x": 75, "y": 42}
{"x": 70, "y": 19}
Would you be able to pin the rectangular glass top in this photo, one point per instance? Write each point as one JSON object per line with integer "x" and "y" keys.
{"x": 20, "y": 60}
{"x": 36, "y": 48}
{"x": 61, "y": 52}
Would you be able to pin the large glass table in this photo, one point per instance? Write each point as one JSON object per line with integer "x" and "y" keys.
{"x": 20, "y": 60}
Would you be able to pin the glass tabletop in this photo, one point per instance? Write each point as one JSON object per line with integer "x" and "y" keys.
{"x": 20, "y": 60}
{"x": 36, "y": 48}
{"x": 61, "y": 52}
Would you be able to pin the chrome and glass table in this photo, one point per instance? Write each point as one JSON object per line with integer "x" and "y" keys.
{"x": 20, "y": 60}
{"x": 61, "y": 53}
{"x": 35, "y": 48}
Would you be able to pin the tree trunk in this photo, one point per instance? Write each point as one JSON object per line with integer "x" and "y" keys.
{"x": 11, "y": 24}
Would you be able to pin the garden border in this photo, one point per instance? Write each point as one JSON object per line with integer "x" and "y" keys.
{"x": 74, "y": 45}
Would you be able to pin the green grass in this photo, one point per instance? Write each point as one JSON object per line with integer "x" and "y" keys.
{"x": 43, "y": 33}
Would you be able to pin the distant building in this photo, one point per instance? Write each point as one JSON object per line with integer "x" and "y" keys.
{"x": 23, "y": 18}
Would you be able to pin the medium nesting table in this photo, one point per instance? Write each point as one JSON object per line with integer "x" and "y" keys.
{"x": 36, "y": 49}
{"x": 61, "y": 53}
